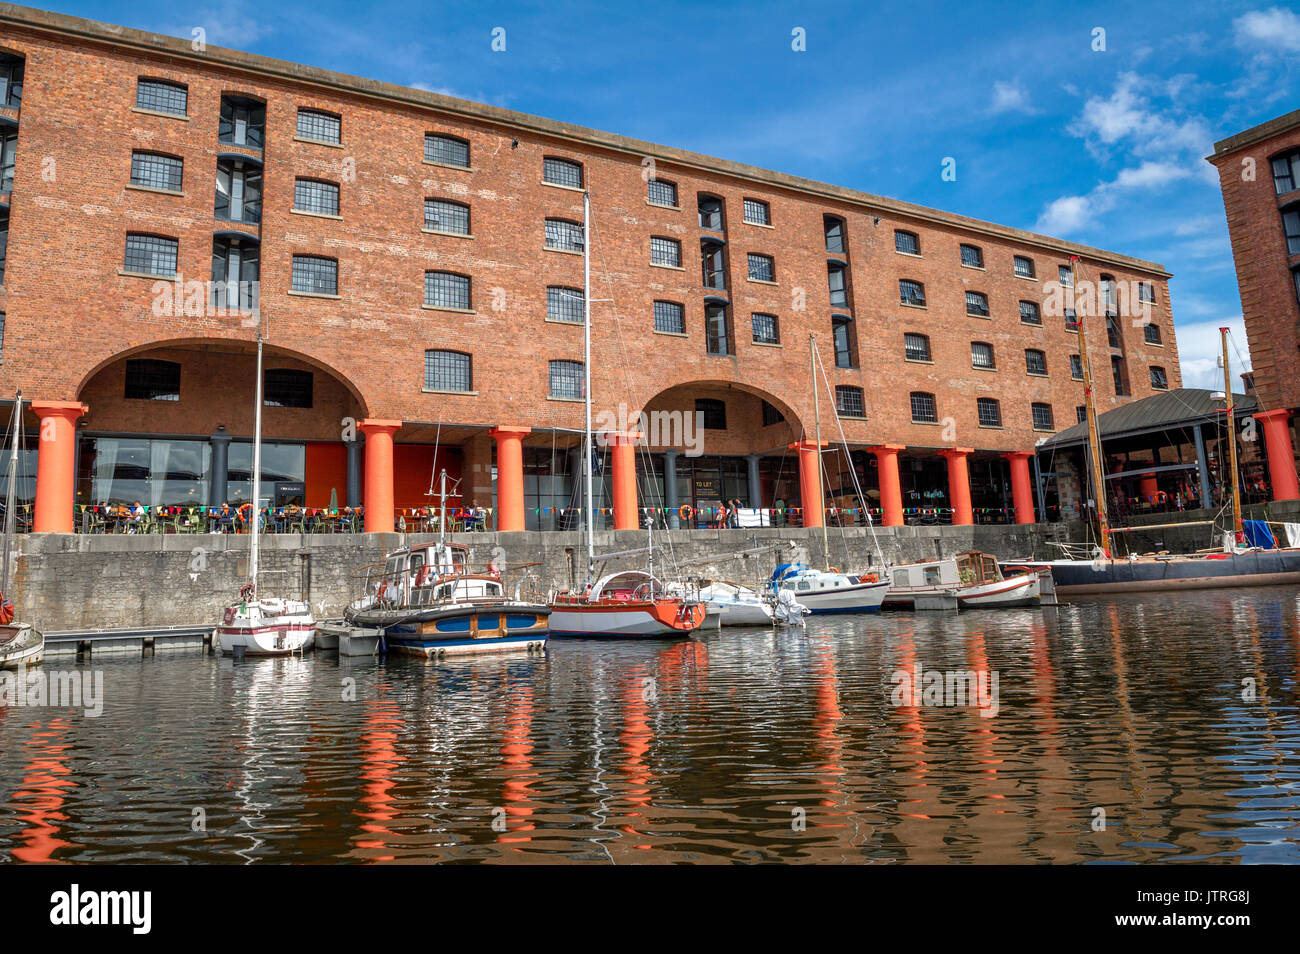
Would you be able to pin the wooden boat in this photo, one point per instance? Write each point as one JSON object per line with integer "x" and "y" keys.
{"x": 829, "y": 591}
{"x": 629, "y": 603}
{"x": 974, "y": 578}
{"x": 21, "y": 644}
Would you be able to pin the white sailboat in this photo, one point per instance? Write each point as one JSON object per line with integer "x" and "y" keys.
{"x": 21, "y": 644}
{"x": 254, "y": 624}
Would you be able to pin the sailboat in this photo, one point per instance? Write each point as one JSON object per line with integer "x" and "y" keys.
{"x": 21, "y": 644}
{"x": 631, "y": 603}
{"x": 1232, "y": 566}
{"x": 254, "y": 624}
{"x": 827, "y": 590}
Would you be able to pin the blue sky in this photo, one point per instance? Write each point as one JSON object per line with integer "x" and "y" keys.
{"x": 1102, "y": 147}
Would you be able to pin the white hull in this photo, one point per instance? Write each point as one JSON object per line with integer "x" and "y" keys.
{"x": 863, "y": 598}
{"x": 741, "y": 612}
{"x": 1014, "y": 591}
{"x": 26, "y": 649}
{"x": 266, "y": 628}
{"x": 602, "y": 622}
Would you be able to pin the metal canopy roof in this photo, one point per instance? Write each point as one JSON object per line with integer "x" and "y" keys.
{"x": 1181, "y": 407}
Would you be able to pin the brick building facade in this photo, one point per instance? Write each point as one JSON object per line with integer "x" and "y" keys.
{"x": 417, "y": 262}
{"x": 1259, "y": 173}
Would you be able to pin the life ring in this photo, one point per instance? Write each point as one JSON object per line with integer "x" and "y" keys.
{"x": 686, "y": 511}
{"x": 832, "y": 569}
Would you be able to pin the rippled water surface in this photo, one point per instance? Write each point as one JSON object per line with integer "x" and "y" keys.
{"x": 1121, "y": 735}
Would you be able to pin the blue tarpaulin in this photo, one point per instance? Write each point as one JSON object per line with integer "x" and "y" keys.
{"x": 1257, "y": 534}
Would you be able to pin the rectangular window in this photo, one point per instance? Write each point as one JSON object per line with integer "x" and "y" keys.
{"x": 1286, "y": 172}
{"x": 154, "y": 171}
{"x": 286, "y": 387}
{"x": 713, "y": 263}
{"x": 440, "y": 216}
{"x": 1151, "y": 334}
{"x": 1065, "y": 276}
{"x": 1035, "y": 361}
{"x": 670, "y": 317}
{"x": 907, "y": 242}
{"x": 834, "y": 235}
{"x": 659, "y": 192}
{"x": 1029, "y": 313}
{"x": 716, "y": 330}
{"x": 910, "y": 292}
{"x": 836, "y": 280}
{"x": 990, "y": 412}
{"x": 972, "y": 256}
{"x": 765, "y": 329}
{"x": 4, "y": 244}
{"x": 1118, "y": 376}
{"x": 1042, "y": 416}
{"x": 1071, "y": 320}
{"x": 447, "y": 290}
{"x": 565, "y": 304}
{"x": 1024, "y": 266}
{"x": 567, "y": 380}
{"x": 1158, "y": 379}
{"x": 1146, "y": 292}
{"x": 319, "y": 198}
{"x": 1081, "y": 413}
{"x": 981, "y": 355}
{"x": 761, "y": 268}
{"x": 160, "y": 96}
{"x": 315, "y": 275}
{"x": 235, "y": 273}
{"x": 977, "y": 304}
{"x": 448, "y": 371}
{"x": 713, "y": 412}
{"x": 8, "y": 158}
{"x": 848, "y": 401}
{"x": 563, "y": 236}
{"x": 842, "y": 330}
{"x": 446, "y": 150}
{"x": 151, "y": 380}
{"x": 562, "y": 172}
{"x": 242, "y": 122}
{"x": 1076, "y": 368}
{"x": 1291, "y": 226}
{"x": 150, "y": 254}
{"x": 11, "y": 80}
{"x": 923, "y": 408}
{"x": 239, "y": 192}
{"x": 757, "y": 213}
{"x": 710, "y": 213}
{"x": 666, "y": 251}
{"x": 320, "y": 127}
{"x": 916, "y": 347}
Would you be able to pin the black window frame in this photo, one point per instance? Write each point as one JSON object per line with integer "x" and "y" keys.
{"x": 432, "y": 358}
{"x": 153, "y": 95}
{"x": 660, "y": 243}
{"x": 556, "y": 170}
{"x": 977, "y": 304}
{"x": 669, "y": 308}
{"x": 901, "y": 237}
{"x": 764, "y": 264}
{"x": 917, "y": 297}
{"x": 441, "y": 149}
{"x": 991, "y": 405}
{"x": 711, "y": 413}
{"x": 316, "y": 196}
{"x": 1040, "y": 361}
{"x": 445, "y": 290}
{"x": 1159, "y": 378}
{"x": 565, "y": 305}
{"x": 312, "y": 267}
{"x": 768, "y": 321}
{"x": 835, "y": 231}
{"x": 1016, "y": 263}
{"x": 1034, "y": 310}
{"x": 1034, "y": 410}
{"x": 565, "y": 371}
{"x": 562, "y": 235}
{"x": 455, "y": 213}
{"x": 916, "y": 347}
{"x": 1148, "y": 337}
{"x": 318, "y": 119}
{"x": 254, "y": 119}
{"x": 765, "y": 213}
{"x": 924, "y": 398}
{"x": 170, "y": 169}
{"x": 973, "y": 252}
{"x": 286, "y": 387}
{"x": 142, "y": 241}
{"x": 850, "y": 401}
{"x": 1285, "y": 168}
{"x": 666, "y": 186}
{"x": 152, "y": 379}
{"x": 992, "y": 364}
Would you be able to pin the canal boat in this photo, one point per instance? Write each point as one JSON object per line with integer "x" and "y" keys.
{"x": 975, "y": 579}
{"x": 21, "y": 644}
{"x": 829, "y": 591}
{"x": 256, "y": 624}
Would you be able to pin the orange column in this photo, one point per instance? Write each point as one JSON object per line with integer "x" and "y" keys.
{"x": 378, "y": 500}
{"x": 622, "y": 452}
{"x": 1148, "y": 487}
{"x": 891, "y": 489}
{"x": 810, "y": 487}
{"x": 1281, "y": 454}
{"x": 56, "y": 464}
{"x": 959, "y": 485}
{"x": 510, "y": 476}
{"x": 1022, "y": 491}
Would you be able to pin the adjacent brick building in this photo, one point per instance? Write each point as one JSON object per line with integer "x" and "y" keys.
{"x": 1259, "y": 172}
{"x": 417, "y": 262}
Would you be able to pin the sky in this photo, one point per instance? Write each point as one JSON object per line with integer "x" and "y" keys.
{"x": 1088, "y": 122}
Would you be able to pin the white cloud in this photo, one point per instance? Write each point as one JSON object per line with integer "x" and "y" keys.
{"x": 1126, "y": 117}
{"x": 1010, "y": 97}
{"x": 1074, "y": 213}
{"x": 1274, "y": 30}
{"x": 1199, "y": 347}
{"x": 232, "y": 25}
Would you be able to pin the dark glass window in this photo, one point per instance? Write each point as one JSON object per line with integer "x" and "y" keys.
{"x": 448, "y": 371}
{"x": 757, "y": 213}
{"x": 834, "y": 234}
{"x": 907, "y": 242}
{"x": 981, "y": 355}
{"x": 1286, "y": 172}
{"x": 848, "y": 401}
{"x": 714, "y": 413}
{"x": 148, "y": 379}
{"x": 320, "y": 198}
{"x": 837, "y": 282}
{"x": 910, "y": 292}
{"x": 659, "y": 192}
{"x": 8, "y": 157}
{"x": 761, "y": 268}
{"x": 771, "y": 415}
{"x": 923, "y": 408}
{"x": 242, "y": 123}
{"x": 713, "y": 261}
{"x": 1158, "y": 379}
{"x": 318, "y": 126}
{"x": 446, "y": 150}
{"x": 239, "y": 192}
{"x": 1029, "y": 313}
{"x": 1065, "y": 276}
{"x": 150, "y": 254}
{"x": 977, "y": 304}
{"x": 1146, "y": 292}
{"x": 766, "y": 330}
{"x": 286, "y": 387}
{"x": 1112, "y": 333}
{"x": 916, "y": 347}
{"x": 562, "y": 172}
{"x": 564, "y": 236}
{"x": 972, "y": 255}
{"x": 1118, "y": 376}
{"x": 565, "y": 304}
{"x": 670, "y": 317}
{"x": 1151, "y": 334}
{"x": 1035, "y": 361}
{"x": 315, "y": 275}
{"x": 1291, "y": 226}
{"x": 665, "y": 251}
{"x": 160, "y": 96}
{"x": 1081, "y": 413}
{"x": 1076, "y": 367}
{"x": 1024, "y": 266}
{"x": 989, "y": 411}
{"x": 11, "y": 80}
{"x": 717, "y": 330}
{"x": 442, "y": 216}
{"x": 842, "y": 332}
{"x": 1042, "y": 416}
{"x": 1071, "y": 320}
{"x": 2, "y": 335}
{"x": 447, "y": 290}
{"x": 235, "y": 273}
{"x": 710, "y": 213}
{"x": 4, "y": 243}
{"x": 155, "y": 171}
{"x": 567, "y": 379}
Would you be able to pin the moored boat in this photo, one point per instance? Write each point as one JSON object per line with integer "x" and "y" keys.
{"x": 975, "y": 579}
{"x": 736, "y": 605}
{"x": 829, "y": 591}
{"x": 21, "y": 644}
{"x": 631, "y": 603}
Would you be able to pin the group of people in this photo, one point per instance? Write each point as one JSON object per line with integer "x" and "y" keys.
{"x": 728, "y": 515}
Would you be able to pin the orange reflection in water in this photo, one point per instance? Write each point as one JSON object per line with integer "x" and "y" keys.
{"x": 516, "y": 757}
{"x": 40, "y": 797}
{"x": 379, "y": 758}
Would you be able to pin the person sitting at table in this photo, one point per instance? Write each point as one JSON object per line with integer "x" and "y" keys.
{"x": 226, "y": 518}
{"x": 135, "y": 516}
{"x": 474, "y": 516}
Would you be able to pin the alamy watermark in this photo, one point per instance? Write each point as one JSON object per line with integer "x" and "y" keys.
{"x": 54, "y": 689}
{"x": 966, "y": 688}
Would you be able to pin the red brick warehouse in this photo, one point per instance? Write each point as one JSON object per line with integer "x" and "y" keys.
{"x": 417, "y": 260}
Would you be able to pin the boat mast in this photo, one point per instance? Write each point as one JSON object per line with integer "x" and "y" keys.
{"x": 442, "y": 508}
{"x": 1232, "y": 437}
{"x": 1094, "y": 437}
{"x": 586, "y": 371}
{"x": 257, "y": 468}
{"x": 10, "y": 491}
{"x": 817, "y": 419}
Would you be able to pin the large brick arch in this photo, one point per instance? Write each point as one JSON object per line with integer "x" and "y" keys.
{"x": 745, "y": 433}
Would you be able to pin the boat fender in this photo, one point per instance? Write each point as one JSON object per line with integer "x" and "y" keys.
{"x": 686, "y": 511}
{"x": 868, "y": 578}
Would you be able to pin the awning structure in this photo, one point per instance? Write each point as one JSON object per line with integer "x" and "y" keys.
{"x": 1179, "y": 408}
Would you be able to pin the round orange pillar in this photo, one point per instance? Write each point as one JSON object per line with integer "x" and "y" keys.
{"x": 56, "y": 478}
{"x": 1148, "y": 487}
{"x": 378, "y": 499}
{"x": 959, "y": 485}
{"x": 1281, "y": 454}
{"x": 811, "y": 502}
{"x": 622, "y": 452}
{"x": 510, "y": 476}
{"x": 891, "y": 489}
{"x": 1022, "y": 491}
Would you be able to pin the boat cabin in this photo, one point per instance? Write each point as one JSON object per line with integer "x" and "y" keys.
{"x": 964, "y": 569}
{"x": 427, "y": 573}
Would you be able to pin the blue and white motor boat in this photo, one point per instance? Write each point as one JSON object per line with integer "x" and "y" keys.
{"x": 829, "y": 591}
